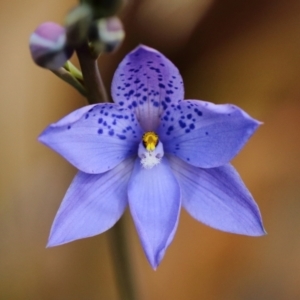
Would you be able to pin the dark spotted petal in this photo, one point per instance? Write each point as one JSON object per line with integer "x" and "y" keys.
{"x": 147, "y": 82}
{"x": 95, "y": 138}
{"x": 204, "y": 134}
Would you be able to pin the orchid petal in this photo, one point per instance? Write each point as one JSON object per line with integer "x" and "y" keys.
{"x": 218, "y": 198}
{"x": 154, "y": 201}
{"x": 92, "y": 204}
{"x": 147, "y": 82}
{"x": 95, "y": 138}
{"x": 204, "y": 134}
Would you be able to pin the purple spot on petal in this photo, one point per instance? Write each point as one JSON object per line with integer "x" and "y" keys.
{"x": 182, "y": 124}
{"x": 199, "y": 113}
{"x": 121, "y": 137}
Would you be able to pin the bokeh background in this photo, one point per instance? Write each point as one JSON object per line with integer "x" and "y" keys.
{"x": 228, "y": 51}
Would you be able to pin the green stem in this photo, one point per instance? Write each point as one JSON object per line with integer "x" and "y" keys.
{"x": 66, "y": 76}
{"x": 123, "y": 267}
{"x": 73, "y": 70}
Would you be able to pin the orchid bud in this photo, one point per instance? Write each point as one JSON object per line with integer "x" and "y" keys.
{"x": 106, "y": 34}
{"x": 77, "y": 24}
{"x": 48, "y": 46}
{"x": 104, "y": 8}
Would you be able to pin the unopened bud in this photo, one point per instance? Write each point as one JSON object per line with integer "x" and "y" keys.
{"x": 104, "y": 8}
{"x": 48, "y": 46}
{"x": 106, "y": 34}
{"x": 77, "y": 24}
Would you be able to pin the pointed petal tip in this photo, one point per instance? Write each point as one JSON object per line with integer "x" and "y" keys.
{"x": 154, "y": 262}
{"x": 257, "y": 124}
{"x": 154, "y": 267}
{"x": 53, "y": 242}
{"x": 257, "y": 232}
{"x": 262, "y": 232}
{"x": 254, "y": 232}
{"x": 155, "y": 258}
{"x": 49, "y": 245}
{"x": 41, "y": 137}
{"x": 145, "y": 48}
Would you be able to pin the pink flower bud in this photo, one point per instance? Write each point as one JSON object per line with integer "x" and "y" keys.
{"x": 48, "y": 46}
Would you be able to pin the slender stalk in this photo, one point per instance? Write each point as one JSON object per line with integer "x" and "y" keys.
{"x": 96, "y": 93}
{"x": 92, "y": 80}
{"x": 123, "y": 269}
{"x": 73, "y": 81}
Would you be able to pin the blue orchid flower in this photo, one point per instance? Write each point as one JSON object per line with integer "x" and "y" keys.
{"x": 155, "y": 152}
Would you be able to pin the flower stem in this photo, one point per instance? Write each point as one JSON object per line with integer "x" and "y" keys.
{"x": 66, "y": 76}
{"x": 123, "y": 269}
{"x": 92, "y": 80}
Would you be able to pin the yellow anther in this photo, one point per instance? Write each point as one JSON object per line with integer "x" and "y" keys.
{"x": 150, "y": 140}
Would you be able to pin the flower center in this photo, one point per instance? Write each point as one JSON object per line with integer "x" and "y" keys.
{"x": 150, "y": 150}
{"x": 150, "y": 140}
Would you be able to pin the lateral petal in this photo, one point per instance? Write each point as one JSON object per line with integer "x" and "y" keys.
{"x": 204, "y": 134}
{"x": 92, "y": 204}
{"x": 95, "y": 138}
{"x": 218, "y": 198}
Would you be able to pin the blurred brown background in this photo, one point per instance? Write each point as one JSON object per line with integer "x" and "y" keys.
{"x": 242, "y": 52}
